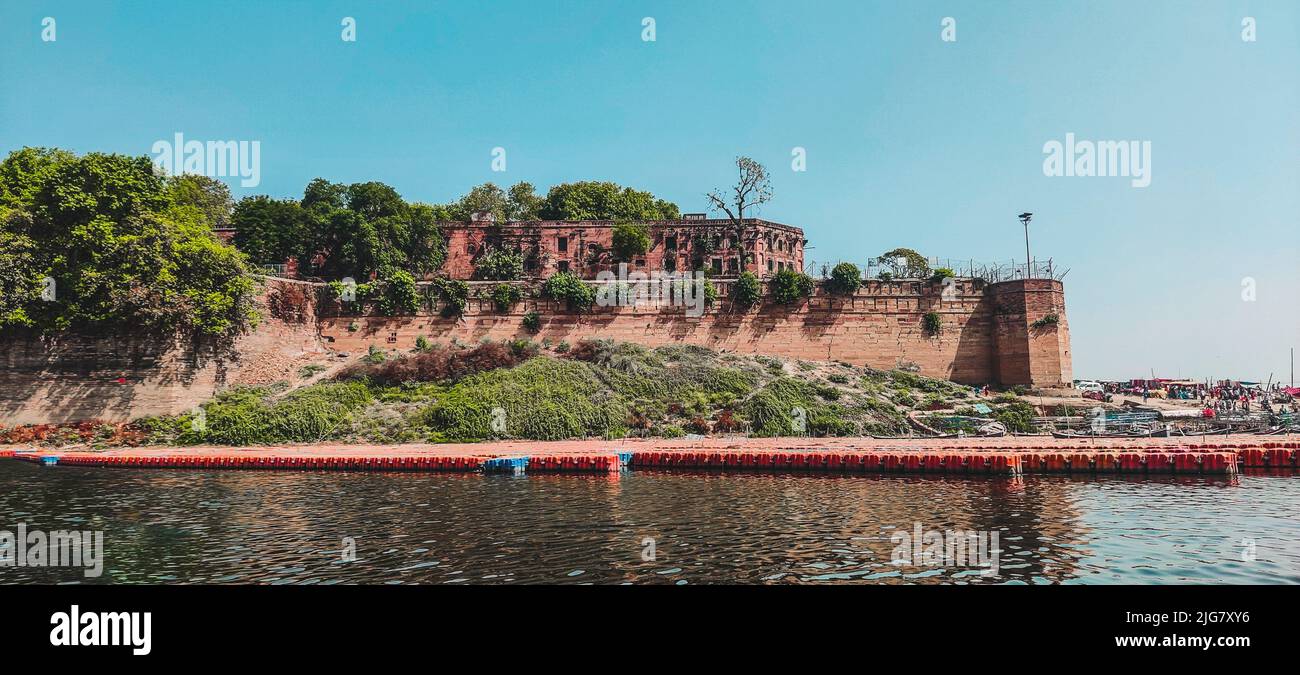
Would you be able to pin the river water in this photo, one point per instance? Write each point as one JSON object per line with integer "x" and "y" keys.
{"x": 173, "y": 526}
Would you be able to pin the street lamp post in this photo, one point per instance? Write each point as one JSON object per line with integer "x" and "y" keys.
{"x": 1024, "y": 219}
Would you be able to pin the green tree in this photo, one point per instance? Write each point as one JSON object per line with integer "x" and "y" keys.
{"x": 363, "y": 228}
{"x": 25, "y": 170}
{"x": 482, "y": 198}
{"x": 845, "y": 279}
{"x": 564, "y": 286}
{"x": 595, "y": 200}
{"x": 747, "y": 291}
{"x": 121, "y": 247}
{"x": 500, "y": 264}
{"x": 210, "y": 196}
{"x": 270, "y": 230}
{"x": 523, "y": 203}
{"x": 789, "y": 286}
{"x": 20, "y": 284}
{"x": 400, "y": 295}
{"x": 630, "y": 240}
{"x": 904, "y": 263}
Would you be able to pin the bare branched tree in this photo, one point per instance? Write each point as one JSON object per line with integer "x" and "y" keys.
{"x": 751, "y": 190}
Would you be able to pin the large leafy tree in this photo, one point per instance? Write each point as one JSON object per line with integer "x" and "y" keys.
{"x": 103, "y": 241}
{"x": 23, "y": 172}
{"x": 592, "y": 200}
{"x": 905, "y": 263}
{"x": 487, "y": 197}
{"x": 20, "y": 282}
{"x": 630, "y": 240}
{"x": 209, "y": 196}
{"x": 520, "y": 202}
{"x": 272, "y": 230}
{"x": 357, "y": 231}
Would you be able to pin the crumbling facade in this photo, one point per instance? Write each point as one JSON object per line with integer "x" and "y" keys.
{"x": 585, "y": 247}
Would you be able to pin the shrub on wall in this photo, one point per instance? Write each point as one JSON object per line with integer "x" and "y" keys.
{"x": 504, "y": 296}
{"x": 942, "y": 273}
{"x": 845, "y": 279}
{"x": 702, "y": 246}
{"x": 932, "y": 323}
{"x": 532, "y": 321}
{"x": 710, "y": 293}
{"x": 1047, "y": 320}
{"x": 399, "y": 295}
{"x": 706, "y": 288}
{"x": 500, "y": 264}
{"x": 789, "y": 286}
{"x": 747, "y": 291}
{"x": 454, "y": 294}
{"x": 569, "y": 288}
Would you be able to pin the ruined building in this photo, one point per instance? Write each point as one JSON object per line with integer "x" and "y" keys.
{"x": 584, "y": 247}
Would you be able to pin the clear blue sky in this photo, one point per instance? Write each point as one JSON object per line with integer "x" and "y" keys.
{"x": 911, "y": 141}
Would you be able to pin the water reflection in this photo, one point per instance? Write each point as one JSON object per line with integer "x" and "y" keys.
{"x": 267, "y": 527}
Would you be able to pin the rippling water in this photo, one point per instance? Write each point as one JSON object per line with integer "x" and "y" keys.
{"x": 164, "y": 526}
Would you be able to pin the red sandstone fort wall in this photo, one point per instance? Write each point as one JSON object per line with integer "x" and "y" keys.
{"x": 988, "y": 334}
{"x": 984, "y": 337}
{"x": 118, "y": 377}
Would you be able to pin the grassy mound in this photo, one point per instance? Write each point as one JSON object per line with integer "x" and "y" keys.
{"x": 594, "y": 389}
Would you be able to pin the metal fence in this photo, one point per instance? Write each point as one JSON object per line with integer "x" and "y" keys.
{"x": 967, "y": 268}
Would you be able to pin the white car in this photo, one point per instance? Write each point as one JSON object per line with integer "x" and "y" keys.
{"x": 1088, "y": 385}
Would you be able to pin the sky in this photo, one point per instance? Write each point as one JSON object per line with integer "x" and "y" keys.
{"x": 910, "y": 139}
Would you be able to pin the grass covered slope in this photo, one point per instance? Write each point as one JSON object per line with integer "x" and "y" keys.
{"x": 521, "y": 390}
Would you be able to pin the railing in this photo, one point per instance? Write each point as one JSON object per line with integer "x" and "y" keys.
{"x": 971, "y": 269}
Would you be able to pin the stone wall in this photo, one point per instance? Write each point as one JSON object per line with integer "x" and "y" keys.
{"x": 116, "y": 377}
{"x": 985, "y": 331}
{"x": 988, "y": 334}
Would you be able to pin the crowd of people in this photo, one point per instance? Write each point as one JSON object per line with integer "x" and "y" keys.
{"x": 1226, "y": 397}
{"x": 1232, "y": 397}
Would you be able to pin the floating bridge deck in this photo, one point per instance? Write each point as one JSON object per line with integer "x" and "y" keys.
{"x": 832, "y": 456}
